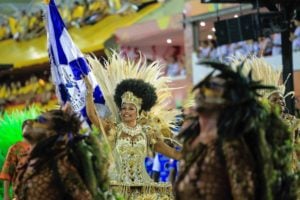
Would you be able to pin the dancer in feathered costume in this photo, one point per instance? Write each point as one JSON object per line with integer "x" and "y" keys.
{"x": 56, "y": 141}
{"x": 268, "y": 75}
{"x": 136, "y": 95}
{"x": 62, "y": 163}
{"x": 235, "y": 149}
{"x": 50, "y": 172}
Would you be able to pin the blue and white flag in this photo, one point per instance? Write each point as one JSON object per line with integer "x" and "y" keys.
{"x": 68, "y": 64}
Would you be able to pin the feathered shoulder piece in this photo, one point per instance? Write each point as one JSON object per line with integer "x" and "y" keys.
{"x": 117, "y": 69}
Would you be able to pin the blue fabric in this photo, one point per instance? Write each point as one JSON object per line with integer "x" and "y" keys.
{"x": 68, "y": 66}
{"x": 59, "y": 26}
{"x": 64, "y": 95}
{"x": 98, "y": 96}
{"x": 79, "y": 68}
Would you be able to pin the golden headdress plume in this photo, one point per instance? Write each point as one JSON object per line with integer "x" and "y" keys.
{"x": 261, "y": 71}
{"x": 116, "y": 69}
{"x": 189, "y": 102}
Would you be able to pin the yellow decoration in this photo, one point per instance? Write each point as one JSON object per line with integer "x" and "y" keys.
{"x": 47, "y": 1}
{"x": 213, "y": 7}
{"x": 163, "y": 22}
{"x": 261, "y": 71}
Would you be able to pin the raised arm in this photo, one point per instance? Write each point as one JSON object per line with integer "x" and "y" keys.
{"x": 168, "y": 151}
{"x": 158, "y": 145}
{"x": 105, "y": 126}
{"x": 90, "y": 106}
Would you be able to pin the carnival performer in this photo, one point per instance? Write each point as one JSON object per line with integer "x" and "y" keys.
{"x": 226, "y": 154}
{"x": 133, "y": 132}
{"x": 277, "y": 99}
{"x": 267, "y": 74}
{"x": 49, "y": 172}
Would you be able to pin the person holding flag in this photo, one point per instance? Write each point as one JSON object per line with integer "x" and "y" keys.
{"x": 137, "y": 126}
{"x": 64, "y": 164}
{"x": 141, "y": 102}
{"x": 68, "y": 65}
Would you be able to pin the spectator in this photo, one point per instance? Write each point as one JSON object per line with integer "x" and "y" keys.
{"x": 251, "y": 47}
{"x": 4, "y": 32}
{"x": 213, "y": 52}
{"x": 16, "y": 156}
{"x": 240, "y": 48}
{"x": 295, "y": 37}
{"x": 173, "y": 68}
{"x": 222, "y": 52}
{"x": 23, "y": 25}
{"x": 32, "y": 22}
{"x": 276, "y": 50}
{"x": 96, "y": 10}
{"x": 266, "y": 45}
{"x": 12, "y": 22}
{"x": 36, "y": 25}
{"x": 65, "y": 14}
{"x": 204, "y": 49}
{"x": 77, "y": 14}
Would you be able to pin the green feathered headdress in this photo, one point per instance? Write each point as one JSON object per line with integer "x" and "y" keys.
{"x": 11, "y": 128}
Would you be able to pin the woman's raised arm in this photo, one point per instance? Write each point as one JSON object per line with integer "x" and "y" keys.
{"x": 168, "y": 151}
{"x": 90, "y": 106}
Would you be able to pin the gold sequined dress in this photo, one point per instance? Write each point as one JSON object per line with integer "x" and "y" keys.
{"x": 128, "y": 174}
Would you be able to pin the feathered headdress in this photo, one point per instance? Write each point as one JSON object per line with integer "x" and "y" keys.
{"x": 117, "y": 69}
{"x": 137, "y": 92}
{"x": 263, "y": 72}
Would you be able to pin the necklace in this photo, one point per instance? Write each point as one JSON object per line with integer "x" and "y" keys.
{"x": 132, "y": 131}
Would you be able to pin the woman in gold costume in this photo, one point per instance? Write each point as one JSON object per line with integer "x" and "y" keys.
{"x": 133, "y": 132}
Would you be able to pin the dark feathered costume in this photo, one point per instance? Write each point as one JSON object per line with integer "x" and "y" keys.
{"x": 63, "y": 164}
{"x": 249, "y": 133}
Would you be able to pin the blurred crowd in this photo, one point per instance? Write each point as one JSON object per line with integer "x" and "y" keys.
{"x": 32, "y": 91}
{"x": 175, "y": 66}
{"x": 24, "y": 24}
{"x": 264, "y": 46}
{"x": 172, "y": 58}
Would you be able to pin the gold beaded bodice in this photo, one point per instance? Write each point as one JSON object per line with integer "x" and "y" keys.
{"x": 130, "y": 150}
{"x": 128, "y": 174}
